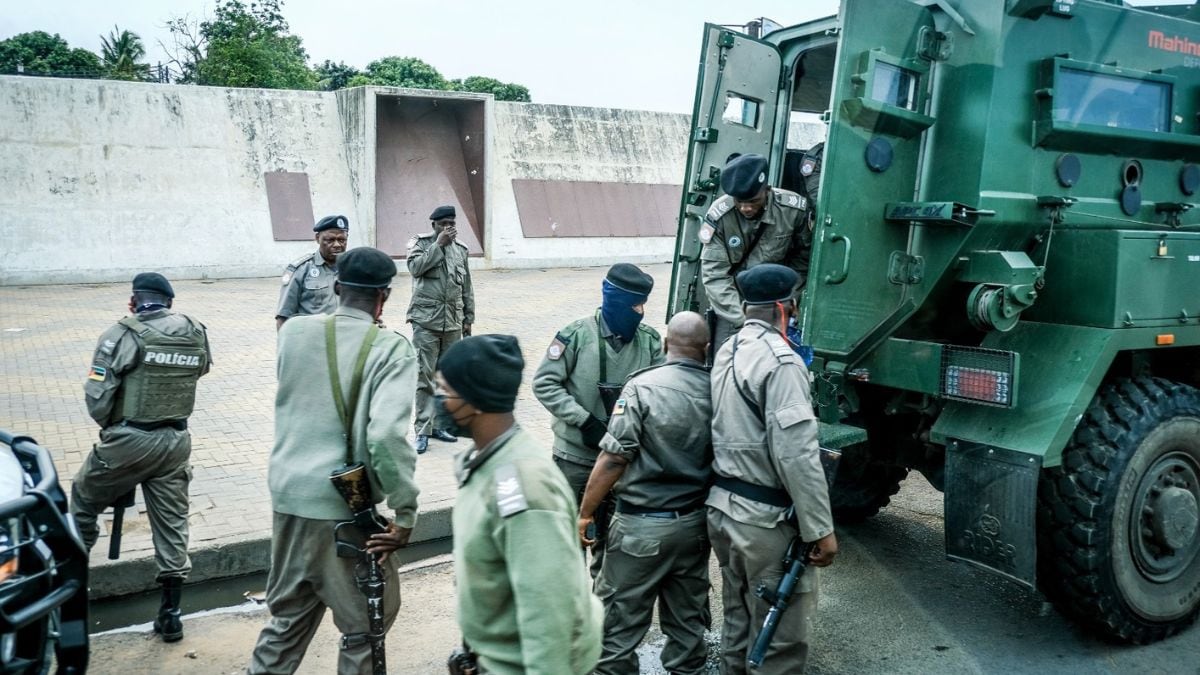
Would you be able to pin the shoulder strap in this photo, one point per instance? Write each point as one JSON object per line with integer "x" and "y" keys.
{"x": 135, "y": 325}
{"x": 741, "y": 390}
{"x": 758, "y": 233}
{"x": 346, "y": 412}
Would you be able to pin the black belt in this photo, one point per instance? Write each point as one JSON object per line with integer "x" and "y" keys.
{"x": 178, "y": 425}
{"x": 652, "y": 512}
{"x": 759, "y": 493}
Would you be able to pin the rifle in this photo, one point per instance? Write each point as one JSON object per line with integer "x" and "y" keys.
{"x": 354, "y": 487}
{"x": 795, "y": 561}
{"x": 123, "y": 502}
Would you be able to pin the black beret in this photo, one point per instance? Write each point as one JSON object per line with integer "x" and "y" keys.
{"x": 153, "y": 282}
{"x": 442, "y": 212}
{"x": 628, "y": 277}
{"x": 330, "y": 222}
{"x": 744, "y": 176}
{"x": 767, "y": 283}
{"x": 365, "y": 267}
{"x": 485, "y": 370}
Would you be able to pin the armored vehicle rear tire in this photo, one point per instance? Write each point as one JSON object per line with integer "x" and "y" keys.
{"x": 863, "y": 486}
{"x": 1119, "y": 542}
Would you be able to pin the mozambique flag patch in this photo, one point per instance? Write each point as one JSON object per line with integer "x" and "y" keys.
{"x": 97, "y": 373}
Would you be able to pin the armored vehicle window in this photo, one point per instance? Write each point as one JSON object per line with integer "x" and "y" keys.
{"x": 741, "y": 111}
{"x": 894, "y": 85}
{"x": 1084, "y": 97}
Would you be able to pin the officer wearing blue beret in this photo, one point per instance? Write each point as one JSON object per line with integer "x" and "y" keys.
{"x": 308, "y": 280}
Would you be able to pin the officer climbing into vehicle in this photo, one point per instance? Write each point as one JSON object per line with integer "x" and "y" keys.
{"x": 308, "y": 281}
{"x": 141, "y": 389}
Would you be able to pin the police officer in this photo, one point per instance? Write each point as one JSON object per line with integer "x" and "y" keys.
{"x": 524, "y": 602}
{"x": 308, "y": 281}
{"x": 769, "y": 484}
{"x": 441, "y": 312}
{"x": 583, "y": 371}
{"x": 141, "y": 390}
{"x": 307, "y": 576}
{"x": 752, "y": 224}
{"x": 659, "y": 446}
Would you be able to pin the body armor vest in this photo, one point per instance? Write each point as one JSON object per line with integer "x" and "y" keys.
{"x": 163, "y": 385}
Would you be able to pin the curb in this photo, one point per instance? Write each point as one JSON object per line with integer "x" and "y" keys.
{"x": 231, "y": 557}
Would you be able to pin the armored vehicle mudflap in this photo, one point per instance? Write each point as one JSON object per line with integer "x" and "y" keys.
{"x": 991, "y": 509}
{"x": 835, "y": 436}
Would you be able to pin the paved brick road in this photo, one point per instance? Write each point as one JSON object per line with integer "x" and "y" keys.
{"x": 47, "y": 334}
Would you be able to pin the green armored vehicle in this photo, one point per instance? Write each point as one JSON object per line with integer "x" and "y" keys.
{"x": 1004, "y": 289}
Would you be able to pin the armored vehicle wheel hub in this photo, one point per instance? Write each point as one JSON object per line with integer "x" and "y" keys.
{"x": 1165, "y": 540}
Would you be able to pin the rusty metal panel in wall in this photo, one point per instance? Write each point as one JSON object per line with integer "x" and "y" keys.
{"x": 290, "y": 202}
{"x": 560, "y": 208}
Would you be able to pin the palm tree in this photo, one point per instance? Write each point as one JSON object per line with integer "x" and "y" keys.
{"x": 122, "y": 52}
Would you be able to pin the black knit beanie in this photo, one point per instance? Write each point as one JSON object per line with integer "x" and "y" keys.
{"x": 485, "y": 370}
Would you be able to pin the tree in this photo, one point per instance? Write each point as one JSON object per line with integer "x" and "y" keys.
{"x": 40, "y": 53}
{"x": 402, "y": 71}
{"x": 332, "y": 76}
{"x": 122, "y": 53}
{"x": 487, "y": 85}
{"x": 242, "y": 46}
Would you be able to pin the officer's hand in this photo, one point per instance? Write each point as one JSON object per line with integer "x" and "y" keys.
{"x": 385, "y": 542}
{"x": 466, "y": 331}
{"x": 593, "y": 430}
{"x": 584, "y": 524}
{"x": 446, "y": 236}
{"x": 825, "y": 550}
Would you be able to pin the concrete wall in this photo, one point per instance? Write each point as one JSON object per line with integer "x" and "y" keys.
{"x": 101, "y": 179}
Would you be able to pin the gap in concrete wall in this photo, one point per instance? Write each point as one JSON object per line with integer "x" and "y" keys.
{"x": 429, "y": 152}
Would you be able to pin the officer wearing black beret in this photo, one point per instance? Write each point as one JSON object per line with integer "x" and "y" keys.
{"x": 752, "y": 224}
{"x": 308, "y": 281}
{"x": 581, "y": 376}
{"x": 441, "y": 312}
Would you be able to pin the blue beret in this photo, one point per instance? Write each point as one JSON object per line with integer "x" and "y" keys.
{"x": 366, "y": 267}
{"x": 153, "y": 282}
{"x": 442, "y": 212}
{"x": 744, "y": 176}
{"x": 767, "y": 283}
{"x": 330, "y": 222}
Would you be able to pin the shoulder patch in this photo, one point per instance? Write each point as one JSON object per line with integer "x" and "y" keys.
{"x": 559, "y": 345}
{"x": 719, "y": 209}
{"x": 510, "y": 498}
{"x": 706, "y": 232}
{"x": 619, "y": 408}
{"x": 287, "y": 276}
{"x": 97, "y": 373}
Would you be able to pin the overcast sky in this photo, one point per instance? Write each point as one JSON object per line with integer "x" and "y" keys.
{"x": 618, "y": 53}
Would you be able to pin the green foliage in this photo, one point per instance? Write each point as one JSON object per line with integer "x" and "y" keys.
{"x": 332, "y": 76}
{"x": 405, "y": 71}
{"x": 488, "y": 85}
{"x": 122, "y": 53}
{"x": 40, "y": 53}
{"x": 242, "y": 46}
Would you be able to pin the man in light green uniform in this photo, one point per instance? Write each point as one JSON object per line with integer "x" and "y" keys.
{"x": 308, "y": 281}
{"x": 524, "y": 602}
{"x": 769, "y": 484}
{"x": 307, "y": 576}
{"x": 659, "y": 448}
{"x": 441, "y": 311}
{"x": 141, "y": 390}
{"x": 752, "y": 224}
{"x": 581, "y": 377}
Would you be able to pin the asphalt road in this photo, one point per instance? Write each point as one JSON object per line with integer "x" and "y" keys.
{"x": 890, "y": 604}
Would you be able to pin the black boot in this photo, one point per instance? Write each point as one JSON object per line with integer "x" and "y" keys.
{"x": 168, "y": 623}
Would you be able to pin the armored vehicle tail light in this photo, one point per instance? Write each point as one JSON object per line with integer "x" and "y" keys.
{"x": 987, "y": 376}
{"x": 1165, "y": 339}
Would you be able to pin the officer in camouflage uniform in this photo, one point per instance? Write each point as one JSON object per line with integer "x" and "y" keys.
{"x": 441, "y": 311}
{"x": 659, "y": 448}
{"x": 141, "y": 390}
{"x": 752, "y": 224}
{"x": 583, "y": 371}
{"x": 524, "y": 601}
{"x": 308, "y": 281}
{"x": 769, "y": 484}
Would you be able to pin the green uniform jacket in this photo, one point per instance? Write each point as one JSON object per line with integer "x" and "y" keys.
{"x": 525, "y": 603}
{"x": 780, "y": 452}
{"x": 729, "y": 239}
{"x": 119, "y": 351}
{"x": 442, "y": 297}
{"x": 309, "y": 442}
{"x": 307, "y": 288}
{"x": 566, "y": 380}
{"x": 662, "y": 425}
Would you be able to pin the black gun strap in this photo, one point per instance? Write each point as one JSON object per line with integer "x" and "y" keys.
{"x": 600, "y": 342}
{"x": 346, "y": 410}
